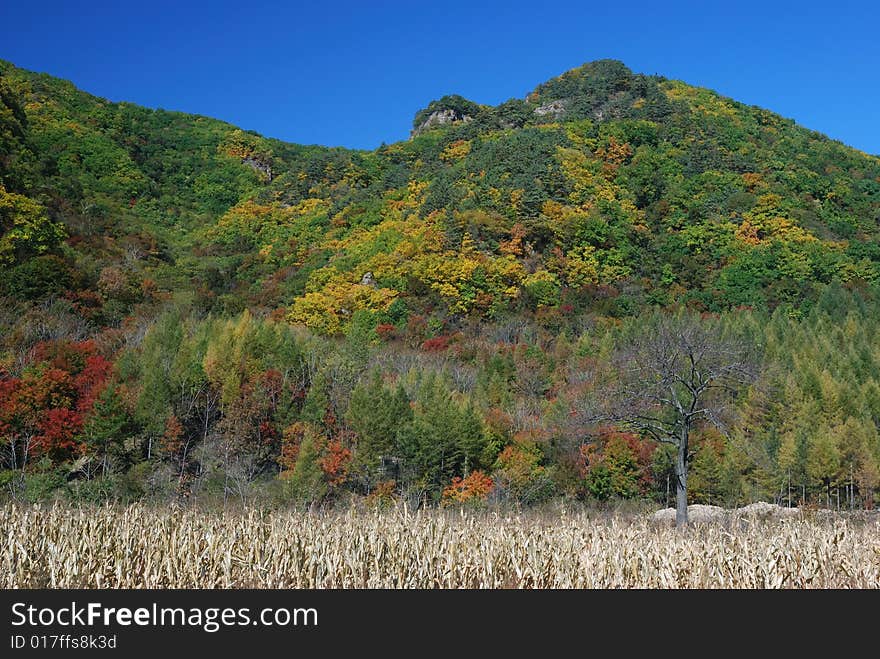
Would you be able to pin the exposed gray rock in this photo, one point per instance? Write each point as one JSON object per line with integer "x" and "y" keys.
{"x": 553, "y": 109}
{"x": 441, "y": 118}
{"x": 258, "y": 165}
{"x": 368, "y": 280}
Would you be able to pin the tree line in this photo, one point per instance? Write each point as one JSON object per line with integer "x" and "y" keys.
{"x": 733, "y": 407}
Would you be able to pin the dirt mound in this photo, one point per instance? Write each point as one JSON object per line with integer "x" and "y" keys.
{"x": 700, "y": 514}
{"x": 765, "y": 510}
{"x": 697, "y": 514}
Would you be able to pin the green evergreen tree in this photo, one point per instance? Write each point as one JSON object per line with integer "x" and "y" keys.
{"x": 106, "y": 428}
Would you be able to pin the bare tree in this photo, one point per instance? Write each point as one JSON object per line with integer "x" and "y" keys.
{"x": 674, "y": 374}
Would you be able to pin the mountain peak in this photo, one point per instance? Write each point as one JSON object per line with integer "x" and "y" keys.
{"x": 600, "y": 90}
{"x": 609, "y": 73}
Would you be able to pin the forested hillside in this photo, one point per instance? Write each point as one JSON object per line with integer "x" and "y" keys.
{"x": 194, "y": 311}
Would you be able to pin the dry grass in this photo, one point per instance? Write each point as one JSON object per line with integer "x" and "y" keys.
{"x": 139, "y": 547}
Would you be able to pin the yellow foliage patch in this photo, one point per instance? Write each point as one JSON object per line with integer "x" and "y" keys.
{"x": 456, "y": 151}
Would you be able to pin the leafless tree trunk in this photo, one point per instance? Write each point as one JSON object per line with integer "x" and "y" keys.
{"x": 789, "y": 488}
{"x": 678, "y": 372}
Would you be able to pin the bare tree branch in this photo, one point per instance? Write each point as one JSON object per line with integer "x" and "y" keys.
{"x": 676, "y": 373}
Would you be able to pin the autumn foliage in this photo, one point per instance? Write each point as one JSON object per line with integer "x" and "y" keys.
{"x": 473, "y": 488}
{"x": 192, "y": 310}
{"x": 43, "y": 412}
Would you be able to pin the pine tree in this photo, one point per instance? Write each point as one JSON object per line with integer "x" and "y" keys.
{"x": 376, "y": 414}
{"x": 106, "y": 428}
{"x": 823, "y": 460}
{"x": 306, "y": 482}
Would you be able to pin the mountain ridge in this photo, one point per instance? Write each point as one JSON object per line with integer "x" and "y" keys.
{"x": 8, "y": 65}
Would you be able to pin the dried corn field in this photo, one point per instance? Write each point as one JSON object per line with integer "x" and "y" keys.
{"x": 139, "y": 547}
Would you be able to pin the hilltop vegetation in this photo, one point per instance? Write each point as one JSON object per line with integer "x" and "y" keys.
{"x": 190, "y": 309}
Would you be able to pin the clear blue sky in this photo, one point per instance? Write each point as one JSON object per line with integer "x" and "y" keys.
{"x": 355, "y": 73}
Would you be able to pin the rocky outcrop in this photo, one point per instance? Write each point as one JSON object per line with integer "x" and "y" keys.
{"x": 441, "y": 117}
{"x": 551, "y": 110}
{"x": 258, "y": 165}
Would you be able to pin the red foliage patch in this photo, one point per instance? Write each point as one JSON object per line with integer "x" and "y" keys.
{"x": 335, "y": 463}
{"x": 475, "y": 487}
{"x": 437, "y": 344}
{"x": 58, "y": 429}
{"x": 386, "y": 331}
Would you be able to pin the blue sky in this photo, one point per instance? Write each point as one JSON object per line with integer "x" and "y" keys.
{"x": 354, "y": 74}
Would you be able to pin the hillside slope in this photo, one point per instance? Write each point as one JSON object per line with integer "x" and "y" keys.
{"x": 195, "y": 312}
{"x": 601, "y": 190}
